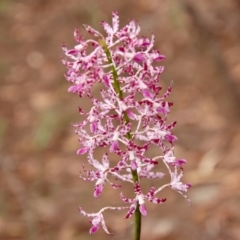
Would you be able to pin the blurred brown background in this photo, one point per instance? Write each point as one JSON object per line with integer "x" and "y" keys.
{"x": 40, "y": 189}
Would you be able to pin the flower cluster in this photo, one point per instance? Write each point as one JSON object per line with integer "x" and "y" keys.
{"x": 128, "y": 118}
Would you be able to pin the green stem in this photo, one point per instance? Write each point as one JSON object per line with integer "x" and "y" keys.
{"x": 138, "y": 220}
{"x": 117, "y": 88}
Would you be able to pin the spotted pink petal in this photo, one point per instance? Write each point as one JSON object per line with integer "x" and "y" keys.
{"x": 133, "y": 165}
{"x": 74, "y": 88}
{"x": 82, "y": 150}
{"x": 131, "y": 210}
{"x": 98, "y": 190}
{"x": 93, "y": 229}
{"x": 143, "y": 209}
{"x": 139, "y": 57}
{"x": 115, "y": 21}
{"x": 114, "y": 146}
{"x": 92, "y": 31}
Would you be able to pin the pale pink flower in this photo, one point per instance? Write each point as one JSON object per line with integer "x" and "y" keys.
{"x": 128, "y": 117}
